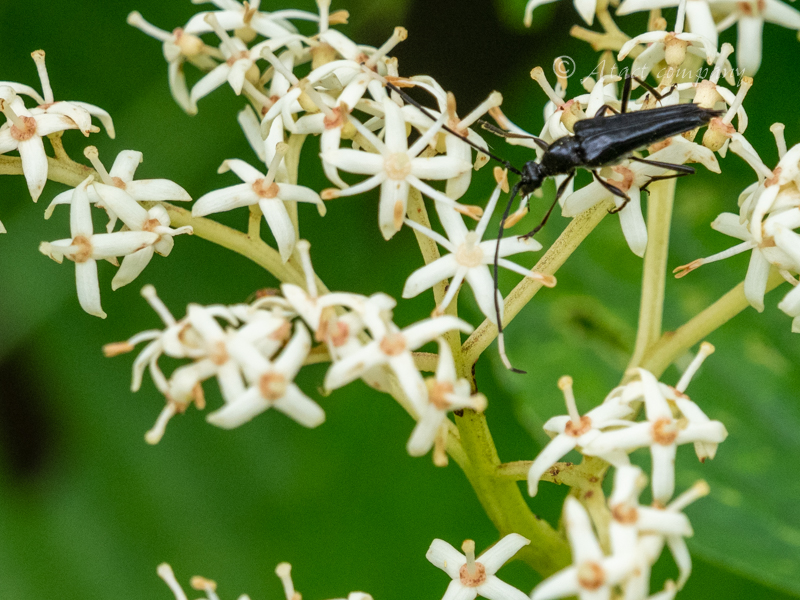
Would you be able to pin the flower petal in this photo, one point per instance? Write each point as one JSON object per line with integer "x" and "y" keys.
{"x": 499, "y": 554}
{"x": 448, "y": 559}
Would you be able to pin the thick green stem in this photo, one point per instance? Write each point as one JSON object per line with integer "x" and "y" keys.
{"x": 674, "y": 343}
{"x": 502, "y": 499}
{"x": 553, "y": 259}
{"x": 241, "y": 243}
{"x": 659, "y": 218}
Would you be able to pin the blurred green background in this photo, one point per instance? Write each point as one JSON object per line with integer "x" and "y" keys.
{"x": 87, "y": 509}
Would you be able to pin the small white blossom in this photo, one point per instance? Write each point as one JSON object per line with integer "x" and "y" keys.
{"x": 641, "y": 531}
{"x": 446, "y": 392}
{"x": 469, "y": 259}
{"x": 240, "y": 62}
{"x": 572, "y": 430}
{"x": 662, "y": 432}
{"x": 118, "y": 194}
{"x": 25, "y": 127}
{"x": 770, "y": 250}
{"x": 396, "y": 168}
{"x": 86, "y": 247}
{"x": 271, "y": 384}
{"x": 23, "y": 131}
{"x": 118, "y": 182}
{"x": 669, "y": 46}
{"x": 748, "y": 15}
{"x": 179, "y": 47}
{"x": 592, "y": 575}
{"x": 392, "y": 346}
{"x": 234, "y": 15}
{"x": 476, "y": 577}
{"x": 267, "y": 193}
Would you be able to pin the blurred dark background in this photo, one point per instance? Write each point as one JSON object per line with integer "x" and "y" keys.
{"x": 87, "y": 509}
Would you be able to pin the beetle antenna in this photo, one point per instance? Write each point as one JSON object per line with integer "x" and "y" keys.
{"x": 428, "y": 114}
{"x": 501, "y": 346}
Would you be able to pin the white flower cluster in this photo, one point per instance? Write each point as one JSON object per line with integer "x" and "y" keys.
{"x": 769, "y": 215}
{"x": 261, "y": 347}
{"x": 707, "y": 18}
{"x": 632, "y": 176}
{"x": 341, "y": 96}
{"x": 144, "y": 232}
{"x": 25, "y": 127}
{"x": 637, "y": 533}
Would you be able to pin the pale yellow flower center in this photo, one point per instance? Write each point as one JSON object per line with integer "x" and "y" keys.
{"x": 469, "y": 253}
{"x": 270, "y": 191}
{"x": 591, "y": 575}
{"x": 24, "y": 134}
{"x": 393, "y": 344}
{"x": 438, "y": 392}
{"x": 472, "y": 579}
{"x": 272, "y": 386}
{"x": 664, "y": 431}
{"x": 397, "y": 166}
{"x": 674, "y": 50}
{"x": 84, "y": 246}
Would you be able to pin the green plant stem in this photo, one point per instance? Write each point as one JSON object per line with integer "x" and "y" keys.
{"x": 553, "y": 259}
{"x": 502, "y": 499}
{"x": 674, "y": 343}
{"x": 255, "y": 250}
{"x": 659, "y": 218}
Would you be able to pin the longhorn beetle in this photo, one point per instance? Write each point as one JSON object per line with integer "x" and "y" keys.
{"x": 598, "y": 141}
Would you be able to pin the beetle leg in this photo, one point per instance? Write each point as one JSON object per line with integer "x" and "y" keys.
{"x": 614, "y": 190}
{"x": 561, "y": 189}
{"x": 602, "y": 111}
{"x": 662, "y": 178}
{"x": 656, "y": 94}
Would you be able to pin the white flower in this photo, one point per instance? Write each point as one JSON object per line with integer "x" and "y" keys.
{"x": 240, "y": 62}
{"x": 662, "y": 432}
{"x": 267, "y": 193}
{"x": 23, "y": 131}
{"x": 25, "y": 127}
{"x": 469, "y": 259}
{"x": 750, "y": 17}
{"x": 669, "y": 46}
{"x": 179, "y": 47}
{"x": 585, "y": 8}
{"x": 118, "y": 194}
{"x": 121, "y": 177}
{"x": 630, "y": 177}
{"x": 573, "y": 430}
{"x": 392, "y": 346}
{"x": 476, "y": 577}
{"x": 234, "y": 15}
{"x": 85, "y": 248}
{"x": 177, "y": 340}
{"x": 395, "y": 168}
{"x": 770, "y": 250}
{"x": 446, "y": 392}
{"x": 640, "y": 531}
{"x": 592, "y": 575}
{"x": 271, "y": 384}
